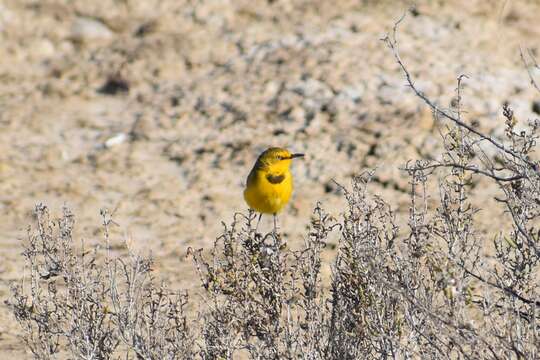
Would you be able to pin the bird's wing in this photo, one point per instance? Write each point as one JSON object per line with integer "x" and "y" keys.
{"x": 251, "y": 177}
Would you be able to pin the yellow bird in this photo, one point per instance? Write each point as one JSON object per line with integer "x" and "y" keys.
{"x": 269, "y": 184}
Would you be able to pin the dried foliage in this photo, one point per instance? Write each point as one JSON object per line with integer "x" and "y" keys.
{"x": 85, "y": 304}
{"x": 427, "y": 291}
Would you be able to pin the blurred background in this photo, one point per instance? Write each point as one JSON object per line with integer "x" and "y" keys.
{"x": 157, "y": 109}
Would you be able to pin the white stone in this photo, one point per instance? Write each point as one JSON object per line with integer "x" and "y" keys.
{"x": 87, "y": 29}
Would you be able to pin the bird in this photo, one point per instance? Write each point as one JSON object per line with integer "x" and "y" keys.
{"x": 269, "y": 184}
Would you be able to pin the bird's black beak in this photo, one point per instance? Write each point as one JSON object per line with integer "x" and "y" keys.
{"x": 296, "y": 156}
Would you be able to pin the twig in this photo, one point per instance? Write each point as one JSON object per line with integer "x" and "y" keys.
{"x": 528, "y": 68}
{"x": 393, "y": 45}
{"x": 465, "y": 167}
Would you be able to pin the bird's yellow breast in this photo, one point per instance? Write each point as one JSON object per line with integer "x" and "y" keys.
{"x": 268, "y": 190}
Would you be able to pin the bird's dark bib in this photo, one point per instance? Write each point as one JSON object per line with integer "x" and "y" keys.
{"x": 275, "y": 179}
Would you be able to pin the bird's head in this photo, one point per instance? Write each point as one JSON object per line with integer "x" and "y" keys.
{"x": 276, "y": 157}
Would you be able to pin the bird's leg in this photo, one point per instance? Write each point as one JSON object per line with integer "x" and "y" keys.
{"x": 258, "y": 222}
{"x": 275, "y": 224}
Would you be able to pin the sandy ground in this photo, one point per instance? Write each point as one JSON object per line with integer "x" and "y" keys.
{"x": 157, "y": 109}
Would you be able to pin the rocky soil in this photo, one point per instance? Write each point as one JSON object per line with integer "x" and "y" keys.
{"x": 157, "y": 109}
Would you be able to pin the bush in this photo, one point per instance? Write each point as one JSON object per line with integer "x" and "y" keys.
{"x": 91, "y": 305}
{"x": 422, "y": 292}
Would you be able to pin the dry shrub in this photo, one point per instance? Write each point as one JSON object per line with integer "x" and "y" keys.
{"x": 86, "y": 304}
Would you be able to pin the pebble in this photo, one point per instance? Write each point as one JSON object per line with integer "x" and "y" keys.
{"x": 43, "y": 48}
{"x": 536, "y": 107}
{"x": 87, "y": 29}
